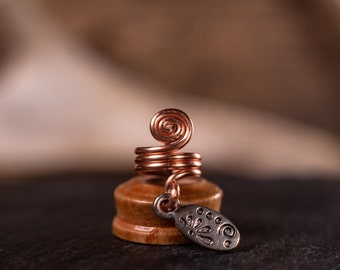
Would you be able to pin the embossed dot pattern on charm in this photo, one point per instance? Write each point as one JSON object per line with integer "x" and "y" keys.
{"x": 202, "y": 225}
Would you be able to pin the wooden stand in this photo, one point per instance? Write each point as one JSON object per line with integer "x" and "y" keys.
{"x": 135, "y": 220}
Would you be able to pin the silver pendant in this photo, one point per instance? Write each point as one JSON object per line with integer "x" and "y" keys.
{"x": 200, "y": 224}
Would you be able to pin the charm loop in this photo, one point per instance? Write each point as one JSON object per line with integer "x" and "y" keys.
{"x": 159, "y": 204}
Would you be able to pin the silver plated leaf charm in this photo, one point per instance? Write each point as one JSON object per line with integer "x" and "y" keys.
{"x": 202, "y": 225}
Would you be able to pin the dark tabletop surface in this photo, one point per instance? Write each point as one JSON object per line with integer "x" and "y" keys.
{"x": 64, "y": 222}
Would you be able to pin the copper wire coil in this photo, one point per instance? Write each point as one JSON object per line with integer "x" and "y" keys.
{"x": 173, "y": 128}
{"x": 159, "y": 163}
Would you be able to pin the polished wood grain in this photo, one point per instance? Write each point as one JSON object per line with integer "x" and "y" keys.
{"x": 135, "y": 220}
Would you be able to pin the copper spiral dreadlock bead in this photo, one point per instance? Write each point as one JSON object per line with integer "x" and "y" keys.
{"x": 173, "y": 128}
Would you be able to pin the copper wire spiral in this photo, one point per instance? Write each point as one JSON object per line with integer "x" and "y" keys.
{"x": 173, "y": 128}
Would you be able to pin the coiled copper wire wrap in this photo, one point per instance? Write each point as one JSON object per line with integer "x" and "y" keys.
{"x": 173, "y": 128}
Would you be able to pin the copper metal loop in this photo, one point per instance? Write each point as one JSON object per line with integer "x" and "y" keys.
{"x": 173, "y": 128}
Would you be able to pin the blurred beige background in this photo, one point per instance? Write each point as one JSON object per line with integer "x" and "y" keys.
{"x": 80, "y": 81}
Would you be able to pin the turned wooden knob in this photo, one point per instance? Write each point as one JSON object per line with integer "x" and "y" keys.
{"x": 135, "y": 220}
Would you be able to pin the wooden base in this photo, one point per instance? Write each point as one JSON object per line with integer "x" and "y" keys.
{"x": 135, "y": 220}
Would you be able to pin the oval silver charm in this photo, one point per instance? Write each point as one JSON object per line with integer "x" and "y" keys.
{"x": 202, "y": 225}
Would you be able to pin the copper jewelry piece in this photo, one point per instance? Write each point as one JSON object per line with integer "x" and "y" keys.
{"x": 173, "y": 128}
{"x": 200, "y": 224}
